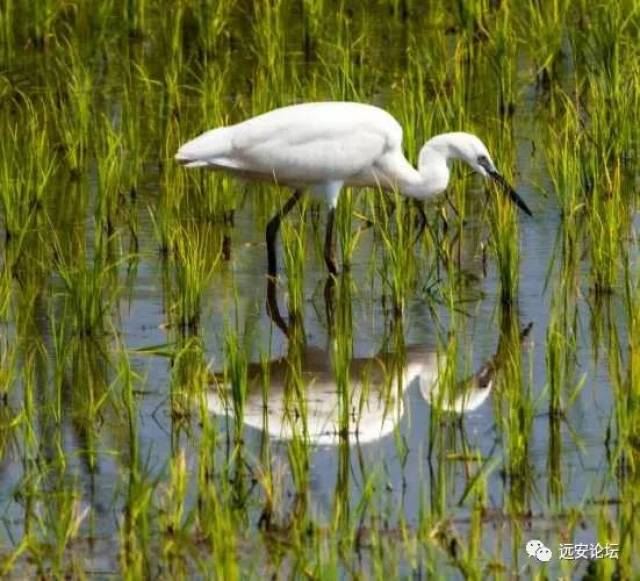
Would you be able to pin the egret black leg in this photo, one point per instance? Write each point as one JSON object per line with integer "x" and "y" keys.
{"x": 272, "y": 230}
{"x": 422, "y": 220}
{"x": 329, "y": 254}
{"x": 453, "y": 207}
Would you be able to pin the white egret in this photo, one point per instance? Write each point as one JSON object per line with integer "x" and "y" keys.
{"x": 325, "y": 146}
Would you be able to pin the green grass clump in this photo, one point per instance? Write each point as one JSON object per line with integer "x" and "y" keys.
{"x": 196, "y": 254}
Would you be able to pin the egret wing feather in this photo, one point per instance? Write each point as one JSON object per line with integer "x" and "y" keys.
{"x": 308, "y": 143}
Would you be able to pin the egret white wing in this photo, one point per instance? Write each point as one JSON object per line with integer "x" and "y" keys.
{"x": 312, "y": 142}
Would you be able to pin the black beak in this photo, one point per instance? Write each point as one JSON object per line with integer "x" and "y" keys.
{"x": 513, "y": 195}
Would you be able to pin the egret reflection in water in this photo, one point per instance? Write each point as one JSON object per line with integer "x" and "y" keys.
{"x": 305, "y": 397}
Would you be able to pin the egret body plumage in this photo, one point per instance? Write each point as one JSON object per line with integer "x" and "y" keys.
{"x": 322, "y": 147}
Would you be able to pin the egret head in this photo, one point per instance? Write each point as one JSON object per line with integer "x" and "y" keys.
{"x": 470, "y": 149}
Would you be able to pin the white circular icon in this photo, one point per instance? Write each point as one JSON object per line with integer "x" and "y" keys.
{"x": 537, "y": 549}
{"x": 532, "y": 547}
{"x": 544, "y": 554}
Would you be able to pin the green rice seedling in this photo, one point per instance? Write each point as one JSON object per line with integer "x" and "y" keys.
{"x": 173, "y": 181}
{"x": 632, "y": 310}
{"x": 564, "y": 162}
{"x": 213, "y": 18}
{"x": 449, "y": 91}
{"x": 561, "y": 362}
{"x": 505, "y": 244}
{"x": 438, "y": 431}
{"x": 265, "y": 448}
{"x": 398, "y": 267}
{"x": 626, "y": 533}
{"x": 341, "y": 518}
{"x": 236, "y": 377}
{"x": 135, "y": 12}
{"x": 341, "y": 336}
{"x": 626, "y": 392}
{"x": 600, "y": 45}
{"x": 109, "y": 157}
{"x": 606, "y": 221}
{"x": 555, "y": 487}
{"x": 296, "y": 415}
{"x": 134, "y": 148}
{"x": 61, "y": 523}
{"x": 52, "y": 516}
{"x": 170, "y": 103}
{"x": 347, "y": 237}
{"x": 165, "y": 216}
{"x": 219, "y": 522}
{"x": 25, "y": 179}
{"x": 414, "y": 114}
{"x": 87, "y": 366}
{"x": 469, "y": 18}
{"x": 608, "y": 218}
{"x": 610, "y": 95}
{"x": 268, "y": 44}
{"x": 174, "y": 522}
{"x": 624, "y": 461}
{"x": 84, "y": 302}
{"x": 515, "y": 414}
{"x": 299, "y": 455}
{"x": 6, "y": 21}
{"x": 70, "y": 97}
{"x": 6, "y": 288}
{"x": 313, "y": 18}
{"x": 294, "y": 250}
{"x": 343, "y": 61}
{"x": 471, "y": 561}
{"x": 560, "y": 348}
{"x": 196, "y": 253}
{"x": 542, "y": 30}
{"x": 38, "y": 20}
{"x": 28, "y": 261}
{"x": 606, "y": 529}
{"x": 221, "y": 529}
{"x": 88, "y": 290}
{"x": 189, "y": 377}
{"x": 135, "y": 556}
{"x": 502, "y": 59}
{"x": 213, "y": 84}
{"x": 206, "y": 463}
{"x": 8, "y": 366}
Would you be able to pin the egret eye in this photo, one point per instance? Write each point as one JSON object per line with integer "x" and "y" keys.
{"x": 483, "y": 160}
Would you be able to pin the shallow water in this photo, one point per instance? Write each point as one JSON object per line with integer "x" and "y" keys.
{"x": 399, "y": 461}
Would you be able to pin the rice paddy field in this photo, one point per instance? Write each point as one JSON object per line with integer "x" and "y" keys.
{"x": 167, "y": 411}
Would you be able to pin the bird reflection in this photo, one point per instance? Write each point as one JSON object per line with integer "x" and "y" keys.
{"x": 307, "y": 396}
